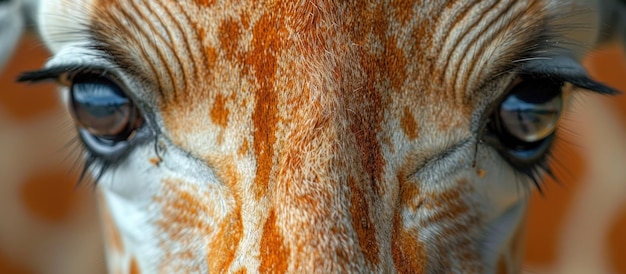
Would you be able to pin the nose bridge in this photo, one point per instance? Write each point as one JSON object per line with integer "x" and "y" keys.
{"x": 326, "y": 186}
{"x": 329, "y": 207}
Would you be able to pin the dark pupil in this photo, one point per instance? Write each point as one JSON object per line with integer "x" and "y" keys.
{"x": 538, "y": 91}
{"x": 532, "y": 108}
{"x": 100, "y": 106}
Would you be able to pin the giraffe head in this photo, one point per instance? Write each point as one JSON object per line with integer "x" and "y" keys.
{"x": 337, "y": 136}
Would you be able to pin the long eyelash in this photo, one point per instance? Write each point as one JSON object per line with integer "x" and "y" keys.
{"x": 535, "y": 172}
{"x": 549, "y": 167}
{"x": 83, "y": 162}
{"x": 47, "y": 74}
{"x": 57, "y": 73}
{"x": 96, "y": 165}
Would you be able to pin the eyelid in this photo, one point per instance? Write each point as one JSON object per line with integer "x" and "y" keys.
{"x": 566, "y": 69}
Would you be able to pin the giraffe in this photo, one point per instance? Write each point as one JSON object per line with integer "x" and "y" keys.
{"x": 337, "y": 136}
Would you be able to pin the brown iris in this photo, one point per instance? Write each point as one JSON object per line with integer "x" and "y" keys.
{"x": 101, "y": 107}
{"x": 532, "y": 109}
{"x": 526, "y": 120}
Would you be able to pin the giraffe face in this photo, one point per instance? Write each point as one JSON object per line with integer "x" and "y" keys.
{"x": 325, "y": 135}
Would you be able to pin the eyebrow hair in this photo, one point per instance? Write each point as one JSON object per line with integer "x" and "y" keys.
{"x": 567, "y": 69}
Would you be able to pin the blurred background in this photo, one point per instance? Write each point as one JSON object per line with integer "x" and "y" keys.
{"x": 48, "y": 225}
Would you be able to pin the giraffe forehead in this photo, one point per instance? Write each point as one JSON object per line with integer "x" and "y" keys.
{"x": 187, "y": 47}
{"x": 264, "y": 60}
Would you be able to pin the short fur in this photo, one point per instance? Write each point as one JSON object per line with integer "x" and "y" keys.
{"x": 315, "y": 135}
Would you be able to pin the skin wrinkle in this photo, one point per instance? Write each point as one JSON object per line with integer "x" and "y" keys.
{"x": 362, "y": 223}
{"x": 162, "y": 38}
{"x": 408, "y": 253}
{"x": 222, "y": 251}
{"x": 477, "y": 43}
{"x": 465, "y": 15}
{"x": 516, "y": 246}
{"x": 305, "y": 118}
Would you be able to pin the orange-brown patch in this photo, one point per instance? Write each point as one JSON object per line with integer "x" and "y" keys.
{"x": 481, "y": 173}
{"x": 268, "y": 34}
{"x": 134, "y": 267}
{"x": 379, "y": 21}
{"x": 219, "y": 112}
{"x": 274, "y": 253}
{"x": 395, "y": 63}
{"x": 205, "y": 3}
{"x": 409, "y": 126}
{"x": 409, "y": 255}
{"x": 243, "y": 149}
{"x": 50, "y": 195}
{"x": 367, "y": 123}
{"x": 211, "y": 56}
{"x": 229, "y": 34}
{"x": 362, "y": 223}
{"x": 155, "y": 161}
{"x": 410, "y": 194}
{"x": 403, "y": 10}
{"x": 502, "y": 267}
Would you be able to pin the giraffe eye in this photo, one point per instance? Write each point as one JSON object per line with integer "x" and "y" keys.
{"x": 526, "y": 120}
{"x": 105, "y": 116}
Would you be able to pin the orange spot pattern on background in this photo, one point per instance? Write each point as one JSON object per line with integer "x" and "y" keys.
{"x": 21, "y": 101}
{"x": 617, "y": 243}
{"x": 50, "y": 195}
{"x": 609, "y": 66}
{"x": 547, "y": 213}
{"x": 10, "y": 267}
